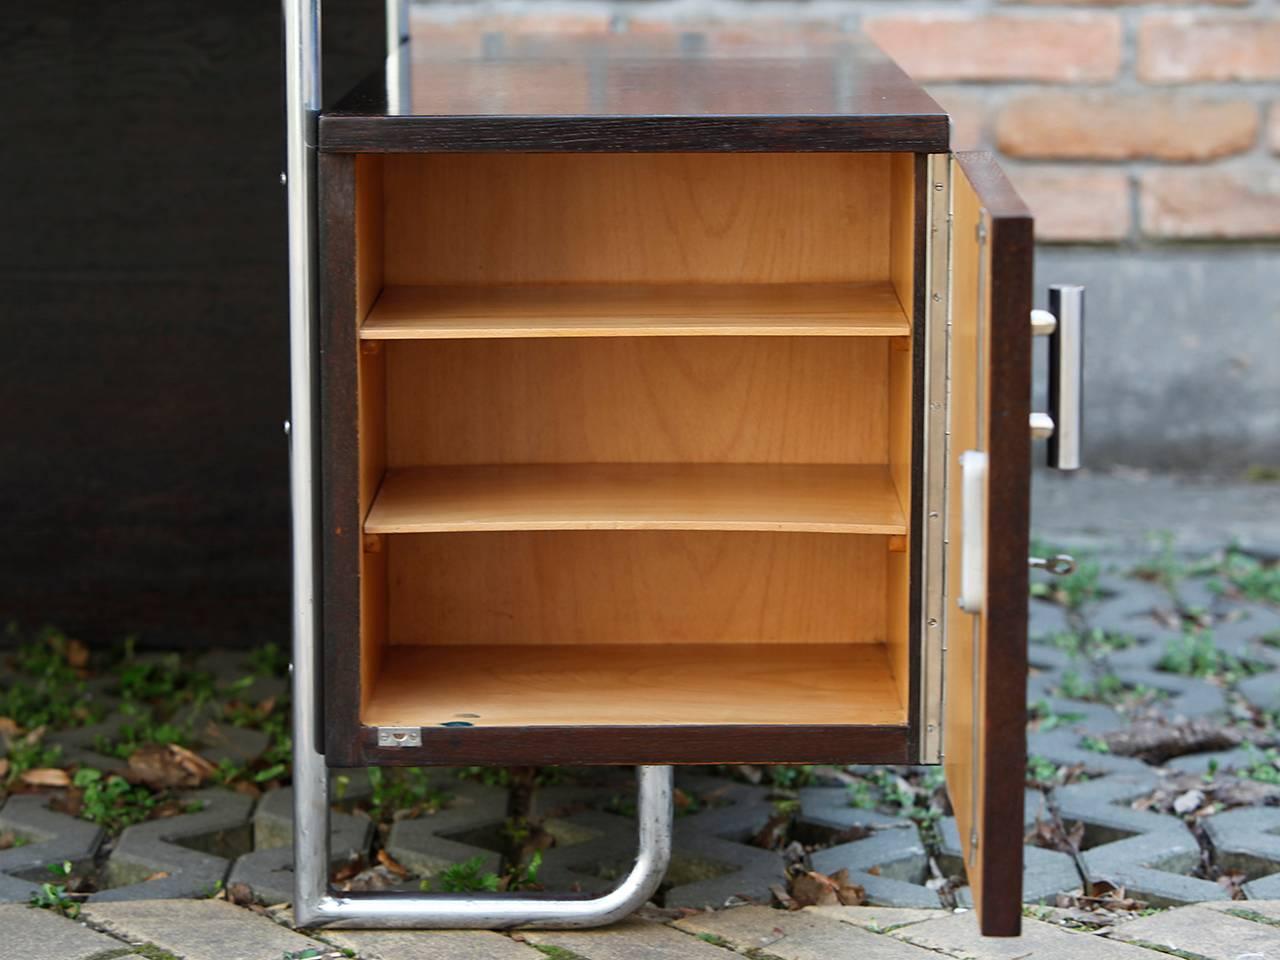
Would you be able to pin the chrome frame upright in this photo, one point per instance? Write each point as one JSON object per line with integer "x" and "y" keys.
{"x": 314, "y": 903}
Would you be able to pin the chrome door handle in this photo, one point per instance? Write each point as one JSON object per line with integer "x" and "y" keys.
{"x": 973, "y": 531}
{"x": 1063, "y": 323}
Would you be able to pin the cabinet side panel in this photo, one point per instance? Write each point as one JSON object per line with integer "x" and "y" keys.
{"x": 902, "y": 261}
{"x": 636, "y": 218}
{"x": 339, "y": 445}
{"x": 652, "y": 587}
{"x": 372, "y": 393}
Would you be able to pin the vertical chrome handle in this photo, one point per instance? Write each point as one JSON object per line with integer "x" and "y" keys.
{"x": 973, "y": 531}
{"x": 1066, "y": 376}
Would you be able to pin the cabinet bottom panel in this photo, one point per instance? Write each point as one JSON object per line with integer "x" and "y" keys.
{"x": 632, "y": 703}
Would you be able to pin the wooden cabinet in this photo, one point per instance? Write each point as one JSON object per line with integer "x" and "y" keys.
{"x": 645, "y": 385}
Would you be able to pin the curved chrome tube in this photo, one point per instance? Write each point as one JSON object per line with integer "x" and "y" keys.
{"x": 503, "y": 911}
{"x": 314, "y": 904}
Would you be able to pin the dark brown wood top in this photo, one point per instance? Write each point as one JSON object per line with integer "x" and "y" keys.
{"x": 617, "y": 95}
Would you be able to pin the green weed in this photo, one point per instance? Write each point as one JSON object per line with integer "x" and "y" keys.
{"x": 403, "y": 788}
{"x": 466, "y": 877}
{"x": 110, "y": 801}
{"x": 1045, "y": 718}
{"x": 52, "y": 894}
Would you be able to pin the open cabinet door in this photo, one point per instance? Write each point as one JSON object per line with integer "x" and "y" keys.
{"x": 989, "y": 481}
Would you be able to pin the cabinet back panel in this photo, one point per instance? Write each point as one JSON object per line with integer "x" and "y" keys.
{"x": 636, "y": 587}
{"x": 638, "y": 400}
{"x": 636, "y": 218}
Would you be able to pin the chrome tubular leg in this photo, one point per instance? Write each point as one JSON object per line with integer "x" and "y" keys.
{"x": 504, "y": 911}
{"x": 302, "y": 107}
{"x": 314, "y": 905}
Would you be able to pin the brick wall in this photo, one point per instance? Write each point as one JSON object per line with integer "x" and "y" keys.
{"x": 1123, "y": 122}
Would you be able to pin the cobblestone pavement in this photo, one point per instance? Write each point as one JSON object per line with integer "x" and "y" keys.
{"x": 215, "y": 930}
{"x": 1140, "y": 633}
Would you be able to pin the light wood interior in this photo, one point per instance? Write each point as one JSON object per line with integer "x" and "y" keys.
{"x": 636, "y": 586}
{"x": 636, "y": 310}
{"x": 965, "y": 763}
{"x": 585, "y": 684}
{"x": 634, "y": 401}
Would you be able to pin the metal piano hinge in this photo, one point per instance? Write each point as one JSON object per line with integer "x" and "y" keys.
{"x": 973, "y": 845}
{"x": 399, "y": 736}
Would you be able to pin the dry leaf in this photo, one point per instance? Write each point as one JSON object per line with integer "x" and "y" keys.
{"x": 161, "y": 766}
{"x": 158, "y": 875}
{"x": 1233, "y": 882}
{"x": 77, "y": 655}
{"x": 348, "y": 869}
{"x": 4, "y": 767}
{"x": 7, "y": 839}
{"x": 773, "y": 833}
{"x": 390, "y": 863}
{"x": 46, "y": 777}
{"x": 241, "y": 894}
{"x": 811, "y": 888}
{"x": 9, "y": 727}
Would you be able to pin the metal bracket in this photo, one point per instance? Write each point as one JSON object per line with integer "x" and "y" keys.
{"x": 973, "y": 548}
{"x": 934, "y": 454}
{"x": 399, "y": 736}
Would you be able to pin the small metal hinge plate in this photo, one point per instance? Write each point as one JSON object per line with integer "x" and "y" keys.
{"x": 399, "y": 736}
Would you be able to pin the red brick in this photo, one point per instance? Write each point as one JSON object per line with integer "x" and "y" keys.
{"x": 747, "y": 36}
{"x": 968, "y": 116}
{"x": 462, "y": 31}
{"x": 1109, "y": 126}
{"x": 1214, "y": 203}
{"x": 943, "y": 46}
{"x": 1188, "y": 47}
{"x": 1128, "y": 3}
{"x": 1080, "y": 206}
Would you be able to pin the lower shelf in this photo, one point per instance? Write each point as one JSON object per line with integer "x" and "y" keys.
{"x": 581, "y": 685}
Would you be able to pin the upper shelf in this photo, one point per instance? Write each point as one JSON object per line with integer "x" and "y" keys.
{"x": 618, "y": 94}
{"x": 628, "y": 310}
{"x": 810, "y": 498}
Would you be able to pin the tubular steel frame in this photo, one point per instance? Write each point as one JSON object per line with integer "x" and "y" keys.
{"x": 314, "y": 903}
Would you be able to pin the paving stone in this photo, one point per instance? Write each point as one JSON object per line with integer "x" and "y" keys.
{"x": 199, "y": 929}
{"x": 1145, "y": 851}
{"x": 430, "y": 945}
{"x": 427, "y": 844}
{"x": 1221, "y": 760}
{"x": 1270, "y": 909}
{"x": 195, "y": 850}
{"x": 52, "y": 838}
{"x": 899, "y": 858}
{"x": 43, "y": 935}
{"x": 738, "y": 870}
{"x": 1211, "y": 934}
{"x": 798, "y": 936}
{"x": 1247, "y": 839}
{"x": 1268, "y": 888}
{"x": 957, "y": 936}
{"x": 629, "y": 940}
{"x": 1062, "y": 747}
{"x": 1045, "y": 619}
{"x": 1045, "y": 873}
{"x": 876, "y": 919}
{"x": 268, "y": 870}
{"x": 1262, "y": 690}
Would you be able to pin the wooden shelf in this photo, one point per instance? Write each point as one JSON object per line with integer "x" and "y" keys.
{"x": 628, "y": 310}
{"x": 612, "y": 684}
{"x": 814, "y": 498}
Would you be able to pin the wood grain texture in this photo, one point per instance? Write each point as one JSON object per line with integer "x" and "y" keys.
{"x": 371, "y": 425}
{"x": 807, "y": 498}
{"x": 640, "y": 743}
{"x": 636, "y": 218}
{"x": 565, "y": 685}
{"x": 617, "y": 310}
{"x": 986, "y": 654}
{"x": 615, "y": 95}
{"x": 638, "y": 400}
{"x": 636, "y": 586}
{"x": 340, "y": 553}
